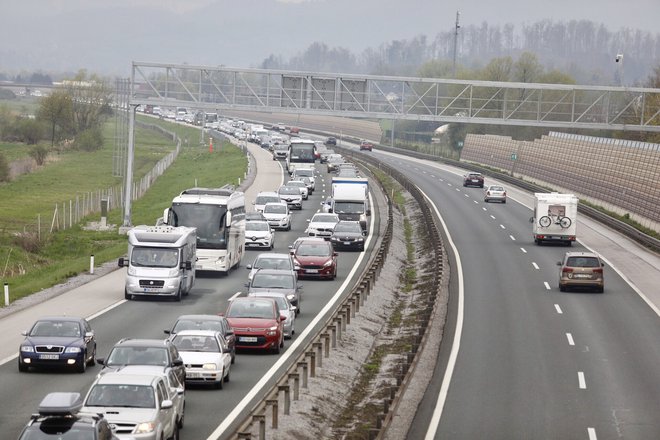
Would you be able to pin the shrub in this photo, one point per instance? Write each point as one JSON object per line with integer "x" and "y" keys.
{"x": 28, "y": 130}
{"x": 39, "y": 154}
{"x": 4, "y": 168}
{"x": 28, "y": 241}
{"x": 89, "y": 140}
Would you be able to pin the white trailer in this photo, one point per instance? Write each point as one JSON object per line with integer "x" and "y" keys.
{"x": 350, "y": 199}
{"x": 555, "y": 218}
{"x": 161, "y": 261}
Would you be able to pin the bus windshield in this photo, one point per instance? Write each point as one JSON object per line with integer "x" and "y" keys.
{"x": 302, "y": 153}
{"x": 208, "y": 219}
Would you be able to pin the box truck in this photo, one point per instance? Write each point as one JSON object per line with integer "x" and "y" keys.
{"x": 161, "y": 261}
{"x": 555, "y": 218}
{"x": 350, "y": 199}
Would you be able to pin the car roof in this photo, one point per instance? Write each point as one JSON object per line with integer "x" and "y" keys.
{"x": 247, "y": 299}
{"x": 60, "y": 318}
{"x": 275, "y": 271}
{"x": 143, "y": 343}
{"x": 267, "y": 193}
{"x": 123, "y": 377}
{"x": 200, "y": 317}
{"x": 323, "y": 214}
{"x": 197, "y": 333}
{"x": 151, "y": 370}
{"x": 581, "y": 254}
{"x": 273, "y": 255}
{"x": 258, "y": 221}
{"x": 276, "y": 203}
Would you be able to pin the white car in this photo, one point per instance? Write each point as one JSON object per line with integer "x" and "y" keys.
{"x": 322, "y": 225}
{"x": 494, "y": 192}
{"x": 206, "y": 356}
{"x": 306, "y": 172}
{"x": 287, "y": 310}
{"x": 265, "y": 197}
{"x": 136, "y": 404}
{"x": 278, "y": 215}
{"x": 258, "y": 234}
{"x": 302, "y": 185}
{"x": 292, "y": 195}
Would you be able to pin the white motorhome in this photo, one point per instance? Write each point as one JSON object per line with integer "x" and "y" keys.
{"x": 555, "y": 218}
{"x": 350, "y": 199}
{"x": 161, "y": 261}
{"x": 219, "y": 216}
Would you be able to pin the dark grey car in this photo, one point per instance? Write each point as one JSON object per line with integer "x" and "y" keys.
{"x": 272, "y": 280}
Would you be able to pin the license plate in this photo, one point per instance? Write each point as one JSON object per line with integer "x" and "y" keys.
{"x": 151, "y": 290}
{"x": 474, "y": 181}
{"x": 581, "y": 275}
{"x": 247, "y": 339}
{"x": 347, "y": 242}
{"x": 49, "y": 356}
{"x": 193, "y": 375}
{"x": 312, "y": 270}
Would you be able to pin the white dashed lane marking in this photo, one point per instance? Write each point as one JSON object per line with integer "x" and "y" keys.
{"x": 536, "y": 266}
{"x": 558, "y": 309}
{"x": 523, "y": 250}
{"x": 547, "y": 287}
{"x": 513, "y": 238}
{"x": 592, "y": 433}
{"x": 581, "y": 382}
{"x": 570, "y": 339}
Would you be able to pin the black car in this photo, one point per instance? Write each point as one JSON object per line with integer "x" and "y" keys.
{"x": 206, "y": 322}
{"x": 59, "y": 417}
{"x": 331, "y": 141}
{"x": 58, "y": 341}
{"x": 348, "y": 235}
{"x": 473, "y": 179}
{"x": 159, "y": 352}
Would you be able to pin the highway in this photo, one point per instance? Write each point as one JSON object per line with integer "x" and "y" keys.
{"x": 533, "y": 362}
{"x": 206, "y": 408}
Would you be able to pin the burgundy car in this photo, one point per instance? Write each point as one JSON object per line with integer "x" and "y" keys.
{"x": 257, "y": 323}
{"x": 315, "y": 258}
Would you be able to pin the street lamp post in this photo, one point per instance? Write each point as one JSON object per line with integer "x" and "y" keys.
{"x": 457, "y": 26}
{"x": 619, "y": 60}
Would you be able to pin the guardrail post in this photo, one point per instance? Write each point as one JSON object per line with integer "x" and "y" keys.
{"x": 352, "y": 307}
{"x": 312, "y": 363}
{"x": 296, "y": 385}
{"x": 304, "y": 369}
{"x": 261, "y": 420}
{"x": 244, "y": 435}
{"x": 358, "y": 301}
{"x": 287, "y": 398}
{"x": 274, "y": 403}
{"x": 318, "y": 347}
{"x": 338, "y": 324}
{"x": 326, "y": 343}
{"x": 333, "y": 335}
{"x": 347, "y": 312}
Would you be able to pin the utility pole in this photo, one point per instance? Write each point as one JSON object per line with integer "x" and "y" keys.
{"x": 456, "y": 28}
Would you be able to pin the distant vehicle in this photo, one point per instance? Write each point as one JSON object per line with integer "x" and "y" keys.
{"x": 292, "y": 195}
{"x": 160, "y": 261}
{"x": 218, "y": 214}
{"x": 582, "y": 270}
{"x": 366, "y": 146}
{"x": 258, "y": 234}
{"x": 331, "y": 141}
{"x": 286, "y": 309}
{"x": 348, "y": 235}
{"x": 332, "y": 162}
{"x": 350, "y": 199}
{"x": 273, "y": 280}
{"x": 271, "y": 261}
{"x": 315, "y": 259}
{"x": 301, "y": 151}
{"x": 257, "y": 216}
{"x": 473, "y": 179}
{"x": 305, "y": 171}
{"x": 280, "y": 151}
{"x": 257, "y": 323}
{"x": 495, "y": 192}
{"x": 206, "y": 356}
{"x": 304, "y": 191}
{"x": 206, "y": 322}
{"x": 322, "y": 225}
{"x": 555, "y": 218}
{"x": 58, "y": 341}
{"x": 278, "y": 215}
{"x": 60, "y": 417}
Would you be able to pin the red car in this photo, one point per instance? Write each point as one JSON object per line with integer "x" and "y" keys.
{"x": 315, "y": 258}
{"x": 257, "y": 323}
{"x": 366, "y": 145}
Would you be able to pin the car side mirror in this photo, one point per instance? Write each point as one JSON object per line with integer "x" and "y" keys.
{"x": 166, "y": 404}
{"x": 364, "y": 233}
{"x": 230, "y": 333}
{"x": 100, "y": 361}
{"x": 247, "y": 284}
{"x": 558, "y": 263}
{"x": 122, "y": 262}
{"x": 335, "y": 253}
{"x": 248, "y": 267}
{"x": 177, "y": 362}
{"x": 167, "y": 332}
{"x": 282, "y": 318}
{"x": 186, "y": 265}
{"x": 24, "y": 333}
{"x": 180, "y": 391}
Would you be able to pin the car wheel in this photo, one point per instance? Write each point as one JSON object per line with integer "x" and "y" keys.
{"x": 92, "y": 361}
{"x": 276, "y": 350}
{"x": 233, "y": 356}
{"x": 504, "y": 201}
{"x": 218, "y": 384}
{"x": 183, "y": 416}
{"x": 562, "y": 288}
{"x": 83, "y": 365}
{"x": 177, "y": 297}
{"x": 600, "y": 289}
{"x": 22, "y": 367}
{"x": 126, "y": 295}
{"x": 226, "y": 379}
{"x": 282, "y": 342}
{"x": 288, "y": 228}
{"x": 175, "y": 434}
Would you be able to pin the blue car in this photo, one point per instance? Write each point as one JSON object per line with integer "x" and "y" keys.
{"x": 58, "y": 341}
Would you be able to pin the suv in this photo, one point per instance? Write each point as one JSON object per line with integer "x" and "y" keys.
{"x": 331, "y": 141}
{"x": 135, "y": 404}
{"x": 366, "y": 145}
{"x": 473, "y": 179}
{"x": 581, "y": 269}
{"x": 59, "y": 415}
{"x": 160, "y": 352}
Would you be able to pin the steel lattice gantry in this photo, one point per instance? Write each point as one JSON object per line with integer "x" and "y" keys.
{"x": 423, "y": 99}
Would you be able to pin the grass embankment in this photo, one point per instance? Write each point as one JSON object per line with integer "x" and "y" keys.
{"x": 66, "y": 253}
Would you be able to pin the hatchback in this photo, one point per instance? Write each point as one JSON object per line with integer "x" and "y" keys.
{"x": 495, "y": 192}
{"x": 581, "y": 269}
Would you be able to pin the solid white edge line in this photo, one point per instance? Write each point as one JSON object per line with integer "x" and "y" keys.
{"x": 89, "y": 318}
{"x": 558, "y": 309}
{"x": 536, "y": 266}
{"x": 242, "y": 405}
{"x": 581, "y": 382}
{"x": 547, "y": 285}
{"x": 570, "y": 339}
{"x": 592, "y": 433}
{"x": 451, "y": 364}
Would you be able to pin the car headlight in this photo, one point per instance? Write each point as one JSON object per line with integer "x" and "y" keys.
{"x": 27, "y": 349}
{"x": 327, "y": 263}
{"x": 72, "y": 350}
{"x": 210, "y": 367}
{"x": 359, "y": 239}
{"x": 145, "y": 427}
{"x": 291, "y": 297}
{"x": 132, "y": 271}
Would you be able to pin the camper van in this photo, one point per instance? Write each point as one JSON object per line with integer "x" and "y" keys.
{"x": 555, "y": 218}
{"x": 161, "y": 261}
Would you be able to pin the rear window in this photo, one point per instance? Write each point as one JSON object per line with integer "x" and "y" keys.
{"x": 582, "y": 262}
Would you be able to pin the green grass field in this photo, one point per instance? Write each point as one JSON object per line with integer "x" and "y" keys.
{"x": 66, "y": 253}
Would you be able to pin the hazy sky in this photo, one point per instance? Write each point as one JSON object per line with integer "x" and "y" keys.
{"x": 106, "y": 35}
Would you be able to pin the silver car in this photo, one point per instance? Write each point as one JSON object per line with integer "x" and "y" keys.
{"x": 495, "y": 192}
{"x": 280, "y": 281}
{"x": 271, "y": 261}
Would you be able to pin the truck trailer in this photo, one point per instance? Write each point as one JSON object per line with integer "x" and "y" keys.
{"x": 555, "y": 218}
{"x": 350, "y": 199}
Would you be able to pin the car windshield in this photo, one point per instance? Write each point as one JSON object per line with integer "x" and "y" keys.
{"x": 272, "y": 263}
{"x": 304, "y": 172}
{"x": 275, "y": 209}
{"x": 324, "y": 218}
{"x": 313, "y": 250}
{"x": 56, "y": 328}
{"x": 251, "y": 309}
{"x": 582, "y": 262}
{"x": 137, "y": 356}
{"x": 272, "y": 281}
{"x": 126, "y": 396}
{"x": 496, "y": 188}
{"x": 257, "y": 226}
{"x": 196, "y": 343}
{"x": 189, "y": 324}
{"x": 348, "y": 227}
{"x": 262, "y": 200}
{"x": 299, "y": 184}
{"x": 288, "y": 190}
{"x": 282, "y": 303}
{"x": 154, "y": 257}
